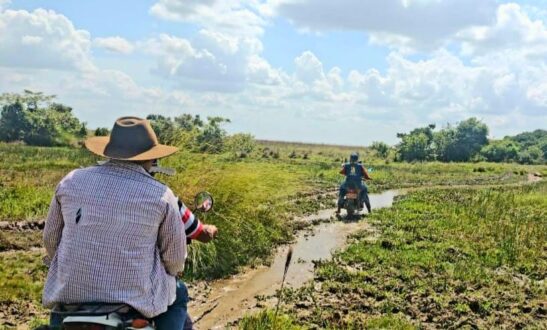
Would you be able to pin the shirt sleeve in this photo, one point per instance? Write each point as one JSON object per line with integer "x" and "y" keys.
{"x": 172, "y": 239}
{"x": 192, "y": 226}
{"x": 53, "y": 228}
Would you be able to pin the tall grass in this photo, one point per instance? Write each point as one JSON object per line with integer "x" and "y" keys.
{"x": 474, "y": 256}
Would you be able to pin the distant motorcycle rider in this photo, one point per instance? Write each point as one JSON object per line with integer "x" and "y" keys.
{"x": 354, "y": 172}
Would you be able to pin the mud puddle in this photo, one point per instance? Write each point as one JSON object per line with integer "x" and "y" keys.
{"x": 229, "y": 299}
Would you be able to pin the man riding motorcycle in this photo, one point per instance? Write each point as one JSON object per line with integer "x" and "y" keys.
{"x": 114, "y": 234}
{"x": 355, "y": 172}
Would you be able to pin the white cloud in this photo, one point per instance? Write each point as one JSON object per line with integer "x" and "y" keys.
{"x": 237, "y": 17}
{"x": 221, "y": 70}
{"x": 42, "y": 39}
{"x": 114, "y": 44}
{"x": 4, "y": 4}
{"x": 441, "y": 88}
{"x": 211, "y": 61}
{"x": 308, "y": 68}
{"x": 420, "y": 23}
{"x": 261, "y": 72}
{"x": 513, "y": 30}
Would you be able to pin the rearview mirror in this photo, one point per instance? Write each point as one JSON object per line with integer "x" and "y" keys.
{"x": 203, "y": 202}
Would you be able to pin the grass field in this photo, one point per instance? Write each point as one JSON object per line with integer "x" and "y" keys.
{"x": 458, "y": 258}
{"x": 256, "y": 198}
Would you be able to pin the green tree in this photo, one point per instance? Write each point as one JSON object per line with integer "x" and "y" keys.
{"x": 471, "y": 136}
{"x": 13, "y": 122}
{"x": 531, "y": 155}
{"x": 381, "y": 148}
{"x": 211, "y": 137}
{"x": 188, "y": 122}
{"x": 500, "y": 151}
{"x": 29, "y": 99}
{"x": 543, "y": 146}
{"x": 528, "y": 139}
{"x": 445, "y": 144}
{"x": 34, "y": 119}
{"x": 102, "y": 131}
{"x": 416, "y": 145}
{"x": 164, "y": 127}
{"x": 241, "y": 144}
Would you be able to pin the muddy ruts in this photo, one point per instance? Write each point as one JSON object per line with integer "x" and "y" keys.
{"x": 22, "y": 225}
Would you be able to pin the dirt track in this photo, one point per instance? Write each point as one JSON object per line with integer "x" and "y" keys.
{"x": 227, "y": 300}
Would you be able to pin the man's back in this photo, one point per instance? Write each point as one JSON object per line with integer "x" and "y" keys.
{"x": 114, "y": 235}
{"x": 354, "y": 173}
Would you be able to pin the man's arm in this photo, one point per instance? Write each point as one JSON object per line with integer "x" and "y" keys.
{"x": 367, "y": 176}
{"x": 172, "y": 240}
{"x": 194, "y": 228}
{"x": 54, "y": 227}
{"x": 343, "y": 170}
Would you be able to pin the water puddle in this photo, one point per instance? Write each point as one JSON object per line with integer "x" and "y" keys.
{"x": 231, "y": 298}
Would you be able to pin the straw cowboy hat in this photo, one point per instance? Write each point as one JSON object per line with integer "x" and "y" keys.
{"x": 132, "y": 138}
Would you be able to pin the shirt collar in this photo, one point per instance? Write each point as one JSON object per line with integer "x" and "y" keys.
{"x": 127, "y": 165}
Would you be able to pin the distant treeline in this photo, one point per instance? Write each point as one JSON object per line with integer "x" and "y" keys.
{"x": 33, "y": 118}
{"x": 467, "y": 141}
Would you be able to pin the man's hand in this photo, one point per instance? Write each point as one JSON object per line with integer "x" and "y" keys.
{"x": 207, "y": 234}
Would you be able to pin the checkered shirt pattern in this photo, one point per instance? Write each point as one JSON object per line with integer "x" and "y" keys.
{"x": 114, "y": 235}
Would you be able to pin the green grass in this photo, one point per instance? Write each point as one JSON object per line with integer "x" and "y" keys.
{"x": 267, "y": 320}
{"x": 458, "y": 257}
{"x": 23, "y": 275}
{"x": 256, "y": 197}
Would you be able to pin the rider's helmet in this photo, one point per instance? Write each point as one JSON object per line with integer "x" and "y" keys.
{"x": 354, "y": 157}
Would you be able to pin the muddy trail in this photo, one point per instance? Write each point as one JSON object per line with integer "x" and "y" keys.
{"x": 223, "y": 302}
{"x": 226, "y": 301}
{"x": 26, "y": 235}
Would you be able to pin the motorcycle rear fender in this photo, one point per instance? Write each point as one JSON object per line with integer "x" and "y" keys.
{"x": 112, "y": 320}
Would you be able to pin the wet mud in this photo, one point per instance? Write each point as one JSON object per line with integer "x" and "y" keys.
{"x": 227, "y": 300}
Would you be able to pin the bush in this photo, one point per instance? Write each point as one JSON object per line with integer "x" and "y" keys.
{"x": 240, "y": 144}
{"x": 500, "y": 151}
{"x": 25, "y": 118}
{"x": 191, "y": 132}
{"x": 381, "y": 148}
{"x": 532, "y": 155}
{"x": 102, "y": 131}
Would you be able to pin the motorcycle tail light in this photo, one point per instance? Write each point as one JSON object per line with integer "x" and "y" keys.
{"x": 139, "y": 323}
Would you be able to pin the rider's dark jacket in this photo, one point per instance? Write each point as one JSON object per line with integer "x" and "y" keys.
{"x": 354, "y": 173}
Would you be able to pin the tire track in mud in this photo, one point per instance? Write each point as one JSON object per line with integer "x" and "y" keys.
{"x": 226, "y": 301}
{"x": 20, "y": 236}
{"x": 222, "y": 302}
{"x": 229, "y": 299}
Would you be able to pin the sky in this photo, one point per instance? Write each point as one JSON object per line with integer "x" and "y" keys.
{"x": 339, "y": 72}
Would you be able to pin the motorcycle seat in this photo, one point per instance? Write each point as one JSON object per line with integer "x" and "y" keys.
{"x": 92, "y": 309}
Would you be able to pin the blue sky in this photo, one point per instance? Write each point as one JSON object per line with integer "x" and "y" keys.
{"x": 349, "y": 72}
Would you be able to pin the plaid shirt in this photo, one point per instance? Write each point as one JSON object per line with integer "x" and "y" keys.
{"x": 114, "y": 235}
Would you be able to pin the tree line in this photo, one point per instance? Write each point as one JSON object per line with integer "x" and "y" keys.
{"x": 466, "y": 141}
{"x": 35, "y": 119}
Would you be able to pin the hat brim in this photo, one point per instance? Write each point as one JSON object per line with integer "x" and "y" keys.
{"x": 97, "y": 145}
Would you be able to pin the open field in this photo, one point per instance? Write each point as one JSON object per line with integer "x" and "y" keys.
{"x": 444, "y": 259}
{"x": 256, "y": 199}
